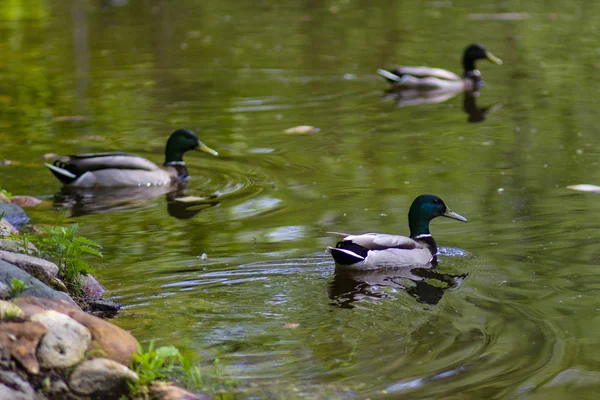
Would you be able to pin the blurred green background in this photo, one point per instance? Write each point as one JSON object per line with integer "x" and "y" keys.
{"x": 97, "y": 75}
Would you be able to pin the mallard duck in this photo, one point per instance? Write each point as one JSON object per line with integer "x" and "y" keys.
{"x": 426, "y": 78}
{"x": 378, "y": 250}
{"x": 111, "y": 170}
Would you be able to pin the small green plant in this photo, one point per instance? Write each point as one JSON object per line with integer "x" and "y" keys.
{"x": 22, "y": 241}
{"x": 6, "y": 193}
{"x": 17, "y": 287}
{"x": 10, "y": 313}
{"x": 167, "y": 363}
{"x": 94, "y": 353}
{"x": 155, "y": 364}
{"x": 64, "y": 247}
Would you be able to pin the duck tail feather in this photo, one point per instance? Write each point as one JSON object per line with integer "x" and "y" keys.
{"x": 337, "y": 233}
{"x": 389, "y": 75}
{"x": 344, "y": 256}
{"x": 62, "y": 174}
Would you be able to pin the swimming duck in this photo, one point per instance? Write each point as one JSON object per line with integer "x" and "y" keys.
{"x": 426, "y": 78}
{"x": 378, "y": 250}
{"x": 111, "y": 170}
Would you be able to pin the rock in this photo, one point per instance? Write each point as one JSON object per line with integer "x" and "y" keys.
{"x": 116, "y": 343}
{"x": 13, "y": 387}
{"x": 103, "y": 308}
{"x": 6, "y": 228}
{"x": 166, "y": 391}
{"x": 36, "y": 287}
{"x": 101, "y": 377}
{"x": 65, "y": 343}
{"x": 5, "y": 359}
{"x": 14, "y": 214}
{"x": 59, "y": 285}
{"x": 25, "y": 201}
{"x": 10, "y": 311}
{"x": 59, "y": 386}
{"x": 91, "y": 287}
{"x": 22, "y": 339}
{"x": 14, "y": 247}
{"x": 5, "y": 291}
{"x": 42, "y": 269}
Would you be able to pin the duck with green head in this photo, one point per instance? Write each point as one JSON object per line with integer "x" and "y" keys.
{"x": 427, "y": 78}
{"x": 371, "y": 251}
{"x": 113, "y": 170}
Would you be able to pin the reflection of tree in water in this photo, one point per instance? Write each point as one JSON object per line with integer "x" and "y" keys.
{"x": 424, "y": 284}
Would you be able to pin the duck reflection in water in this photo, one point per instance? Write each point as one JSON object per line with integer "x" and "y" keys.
{"x": 410, "y": 97}
{"x": 424, "y": 284}
{"x": 475, "y": 113}
{"x": 82, "y": 201}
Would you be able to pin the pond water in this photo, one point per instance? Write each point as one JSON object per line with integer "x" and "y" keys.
{"x": 513, "y": 308}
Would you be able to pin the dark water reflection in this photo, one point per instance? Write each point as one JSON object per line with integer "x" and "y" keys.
{"x": 424, "y": 284}
{"x": 245, "y": 278}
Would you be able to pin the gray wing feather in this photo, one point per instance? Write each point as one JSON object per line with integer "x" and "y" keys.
{"x": 381, "y": 241}
{"x": 423, "y": 72}
{"x": 93, "y": 162}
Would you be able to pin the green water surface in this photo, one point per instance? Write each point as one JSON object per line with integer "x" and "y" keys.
{"x": 514, "y": 310}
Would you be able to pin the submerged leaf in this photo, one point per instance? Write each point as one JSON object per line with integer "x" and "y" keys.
{"x": 302, "y": 129}
{"x": 585, "y": 188}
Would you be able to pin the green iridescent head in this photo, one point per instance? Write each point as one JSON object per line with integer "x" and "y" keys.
{"x": 477, "y": 52}
{"x": 183, "y": 140}
{"x": 425, "y": 208}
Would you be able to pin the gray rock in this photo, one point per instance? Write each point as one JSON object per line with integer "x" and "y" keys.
{"x": 6, "y": 228}
{"x": 5, "y": 291}
{"x": 66, "y": 341}
{"x": 58, "y": 387}
{"x": 11, "y": 245}
{"x": 14, "y": 214}
{"x": 91, "y": 287}
{"x": 13, "y": 387}
{"x": 42, "y": 269}
{"x": 102, "y": 308}
{"x": 101, "y": 377}
{"x": 167, "y": 391}
{"x": 37, "y": 288}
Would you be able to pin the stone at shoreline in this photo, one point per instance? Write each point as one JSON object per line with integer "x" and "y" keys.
{"x": 13, "y": 387}
{"x": 101, "y": 377}
{"x": 14, "y": 247}
{"x": 22, "y": 339}
{"x": 65, "y": 343}
{"x": 166, "y": 391}
{"x": 25, "y": 201}
{"x": 5, "y": 291}
{"x": 115, "y": 343}
{"x": 6, "y": 228}
{"x": 42, "y": 269}
{"x": 14, "y": 214}
{"x": 91, "y": 287}
{"x": 102, "y": 308}
{"x": 37, "y": 288}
